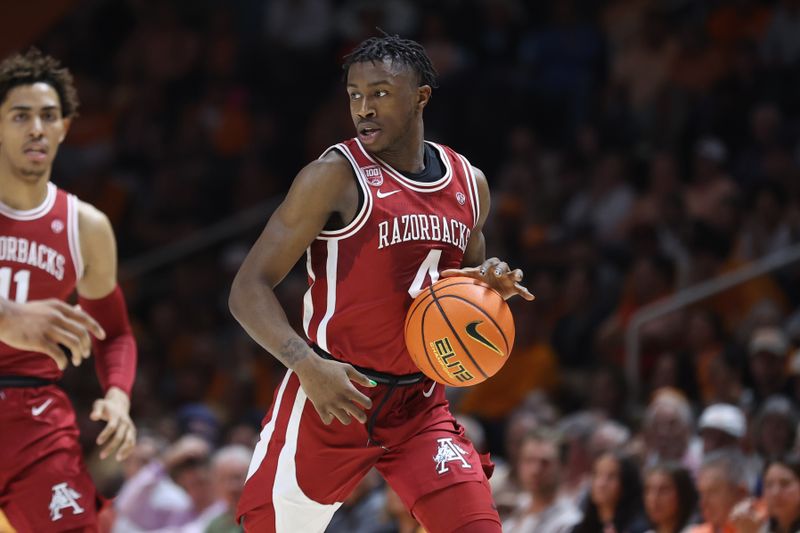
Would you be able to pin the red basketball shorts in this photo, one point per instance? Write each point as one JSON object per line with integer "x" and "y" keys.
{"x": 302, "y": 469}
{"x": 44, "y": 485}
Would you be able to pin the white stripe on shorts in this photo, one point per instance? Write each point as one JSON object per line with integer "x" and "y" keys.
{"x": 294, "y": 511}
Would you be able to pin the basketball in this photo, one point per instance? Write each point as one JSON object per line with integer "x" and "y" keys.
{"x": 459, "y": 331}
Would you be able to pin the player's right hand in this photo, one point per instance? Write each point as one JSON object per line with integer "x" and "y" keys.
{"x": 45, "y": 326}
{"x": 328, "y": 385}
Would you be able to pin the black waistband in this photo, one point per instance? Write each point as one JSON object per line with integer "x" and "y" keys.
{"x": 381, "y": 377}
{"x": 23, "y": 381}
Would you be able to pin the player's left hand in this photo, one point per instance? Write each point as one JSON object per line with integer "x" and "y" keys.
{"x": 114, "y": 409}
{"x": 497, "y": 275}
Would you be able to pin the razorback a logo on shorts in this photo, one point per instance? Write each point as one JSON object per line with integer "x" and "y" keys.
{"x": 449, "y": 452}
{"x": 64, "y": 496}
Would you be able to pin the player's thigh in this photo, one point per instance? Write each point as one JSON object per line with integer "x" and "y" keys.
{"x": 436, "y": 458}
{"x": 464, "y": 507}
{"x": 302, "y": 469}
{"x": 55, "y": 494}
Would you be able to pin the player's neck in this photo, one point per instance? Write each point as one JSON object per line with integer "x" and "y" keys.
{"x": 408, "y": 155}
{"x": 22, "y": 192}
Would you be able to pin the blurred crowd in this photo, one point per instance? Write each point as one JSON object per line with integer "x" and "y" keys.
{"x": 634, "y": 148}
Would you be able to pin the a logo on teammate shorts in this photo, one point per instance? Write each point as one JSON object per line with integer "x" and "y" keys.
{"x": 374, "y": 175}
{"x": 64, "y": 497}
{"x": 460, "y": 198}
{"x": 449, "y": 452}
{"x": 57, "y": 226}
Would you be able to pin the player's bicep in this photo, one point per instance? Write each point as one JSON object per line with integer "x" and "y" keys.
{"x": 475, "y": 253}
{"x": 99, "y": 253}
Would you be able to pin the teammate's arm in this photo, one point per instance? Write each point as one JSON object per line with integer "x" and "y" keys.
{"x": 492, "y": 271}
{"x": 115, "y": 356}
{"x": 322, "y": 188}
{"x": 42, "y": 325}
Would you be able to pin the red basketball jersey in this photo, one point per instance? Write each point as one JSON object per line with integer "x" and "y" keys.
{"x": 363, "y": 277}
{"x": 39, "y": 259}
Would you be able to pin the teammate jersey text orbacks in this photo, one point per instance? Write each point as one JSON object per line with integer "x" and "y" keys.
{"x": 363, "y": 277}
{"x": 39, "y": 258}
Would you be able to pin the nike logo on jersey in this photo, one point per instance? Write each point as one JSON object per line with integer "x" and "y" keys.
{"x": 385, "y": 194}
{"x": 472, "y": 331}
{"x": 428, "y": 392}
{"x": 36, "y": 411}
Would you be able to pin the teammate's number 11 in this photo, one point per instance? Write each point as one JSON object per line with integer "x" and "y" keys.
{"x": 21, "y": 279}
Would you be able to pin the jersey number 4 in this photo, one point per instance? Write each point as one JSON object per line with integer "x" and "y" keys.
{"x": 430, "y": 267}
{"x": 21, "y": 279}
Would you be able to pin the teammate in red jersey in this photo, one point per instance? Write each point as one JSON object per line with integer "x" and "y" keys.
{"x": 52, "y": 244}
{"x": 379, "y": 218}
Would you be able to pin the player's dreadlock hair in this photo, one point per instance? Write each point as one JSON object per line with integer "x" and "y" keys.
{"x": 405, "y": 51}
{"x": 34, "y": 67}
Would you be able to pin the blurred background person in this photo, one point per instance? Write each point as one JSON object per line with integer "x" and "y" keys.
{"x": 721, "y": 484}
{"x": 540, "y": 470}
{"x": 614, "y": 504}
{"x": 670, "y": 498}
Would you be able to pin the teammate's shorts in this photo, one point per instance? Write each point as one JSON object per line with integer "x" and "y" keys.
{"x": 44, "y": 484}
{"x": 302, "y": 469}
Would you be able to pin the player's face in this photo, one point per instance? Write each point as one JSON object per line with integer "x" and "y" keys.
{"x": 31, "y": 129}
{"x": 385, "y": 102}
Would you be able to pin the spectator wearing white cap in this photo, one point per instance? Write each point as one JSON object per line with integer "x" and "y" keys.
{"x": 768, "y": 351}
{"x": 721, "y": 426}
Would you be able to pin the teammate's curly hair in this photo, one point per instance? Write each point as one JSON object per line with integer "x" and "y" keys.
{"x": 34, "y": 67}
{"x": 405, "y": 51}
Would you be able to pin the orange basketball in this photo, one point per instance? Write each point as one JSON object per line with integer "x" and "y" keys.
{"x": 459, "y": 331}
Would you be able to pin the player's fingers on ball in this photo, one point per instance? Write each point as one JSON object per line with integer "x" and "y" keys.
{"x": 500, "y": 269}
{"x": 524, "y": 292}
{"x": 488, "y": 266}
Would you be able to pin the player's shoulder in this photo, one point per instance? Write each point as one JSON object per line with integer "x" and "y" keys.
{"x": 331, "y": 169}
{"x": 91, "y": 219}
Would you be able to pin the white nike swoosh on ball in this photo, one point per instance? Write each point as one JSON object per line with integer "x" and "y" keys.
{"x": 428, "y": 393}
{"x": 385, "y": 194}
{"x": 36, "y": 411}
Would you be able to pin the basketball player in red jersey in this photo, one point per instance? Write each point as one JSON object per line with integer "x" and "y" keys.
{"x": 379, "y": 217}
{"x": 52, "y": 244}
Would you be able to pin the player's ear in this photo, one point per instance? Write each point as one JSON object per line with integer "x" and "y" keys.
{"x": 67, "y": 122}
{"x": 423, "y": 96}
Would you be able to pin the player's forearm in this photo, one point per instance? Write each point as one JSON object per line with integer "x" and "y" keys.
{"x": 254, "y": 305}
{"x": 116, "y": 355}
